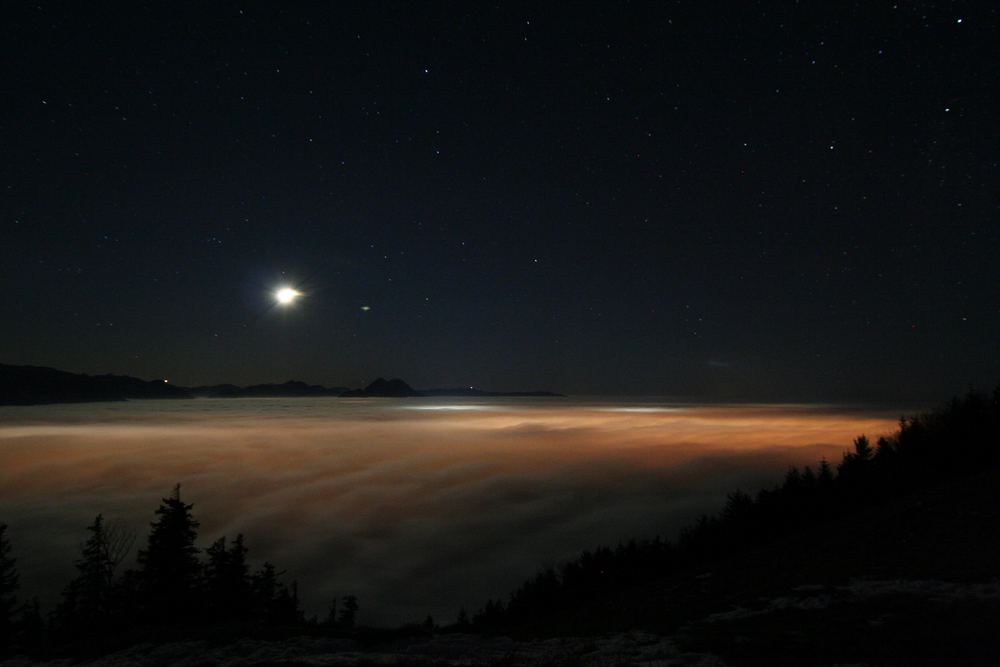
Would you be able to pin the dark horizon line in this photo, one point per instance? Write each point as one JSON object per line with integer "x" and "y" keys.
{"x": 859, "y": 402}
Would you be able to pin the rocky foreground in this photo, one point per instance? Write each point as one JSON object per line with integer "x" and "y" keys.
{"x": 764, "y": 633}
{"x": 447, "y": 649}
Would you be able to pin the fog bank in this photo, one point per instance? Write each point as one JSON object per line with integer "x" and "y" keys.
{"x": 415, "y": 506}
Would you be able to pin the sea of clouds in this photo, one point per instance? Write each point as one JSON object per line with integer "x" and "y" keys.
{"x": 415, "y": 506}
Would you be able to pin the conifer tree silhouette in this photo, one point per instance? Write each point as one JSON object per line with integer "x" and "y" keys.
{"x": 348, "y": 611}
{"x": 862, "y": 448}
{"x": 274, "y": 603}
{"x": 825, "y": 475}
{"x": 86, "y": 600}
{"x": 31, "y": 628}
{"x": 227, "y": 579}
{"x": 264, "y": 584}
{"x": 8, "y": 590}
{"x": 331, "y": 615}
{"x": 169, "y": 565}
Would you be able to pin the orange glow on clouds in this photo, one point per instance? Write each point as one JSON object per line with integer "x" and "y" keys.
{"x": 381, "y": 497}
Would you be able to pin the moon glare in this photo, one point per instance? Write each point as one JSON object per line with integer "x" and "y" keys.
{"x": 287, "y": 295}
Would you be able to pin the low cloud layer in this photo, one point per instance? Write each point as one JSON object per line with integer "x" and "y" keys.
{"x": 416, "y": 507}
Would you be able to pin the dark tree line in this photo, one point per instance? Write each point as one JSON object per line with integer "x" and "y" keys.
{"x": 174, "y": 591}
{"x": 962, "y": 438}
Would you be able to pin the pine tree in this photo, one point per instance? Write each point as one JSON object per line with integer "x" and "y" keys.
{"x": 8, "y": 590}
{"x": 216, "y": 572}
{"x": 462, "y": 622}
{"x": 738, "y": 506}
{"x": 169, "y": 564}
{"x": 96, "y": 569}
{"x": 227, "y": 580}
{"x": 264, "y": 587}
{"x": 331, "y": 615}
{"x": 808, "y": 478}
{"x": 86, "y": 600}
{"x": 825, "y": 474}
{"x": 863, "y": 448}
{"x": 348, "y": 612}
{"x": 285, "y": 610}
{"x": 883, "y": 450}
{"x": 32, "y": 627}
{"x": 218, "y": 555}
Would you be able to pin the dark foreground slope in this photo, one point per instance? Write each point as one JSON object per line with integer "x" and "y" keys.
{"x": 27, "y": 385}
{"x": 892, "y": 558}
{"x": 912, "y": 582}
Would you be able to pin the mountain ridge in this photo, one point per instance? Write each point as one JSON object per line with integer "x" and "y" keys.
{"x": 32, "y": 385}
{"x": 40, "y": 385}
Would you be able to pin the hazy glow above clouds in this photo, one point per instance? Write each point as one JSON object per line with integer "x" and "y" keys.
{"x": 415, "y": 506}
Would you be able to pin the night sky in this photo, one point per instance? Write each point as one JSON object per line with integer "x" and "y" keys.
{"x": 766, "y": 201}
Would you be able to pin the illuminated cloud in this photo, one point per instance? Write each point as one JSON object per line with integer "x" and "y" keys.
{"x": 416, "y": 511}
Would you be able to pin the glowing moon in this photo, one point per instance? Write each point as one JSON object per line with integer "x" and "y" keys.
{"x": 287, "y": 295}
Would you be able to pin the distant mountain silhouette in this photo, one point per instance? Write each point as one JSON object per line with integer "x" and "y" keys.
{"x": 471, "y": 391}
{"x": 28, "y": 385}
{"x": 292, "y": 388}
{"x": 384, "y": 388}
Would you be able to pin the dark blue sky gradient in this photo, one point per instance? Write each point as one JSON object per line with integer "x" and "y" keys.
{"x": 760, "y": 200}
